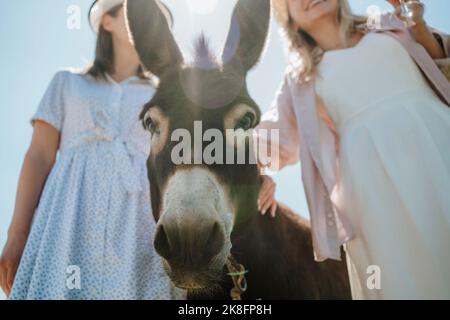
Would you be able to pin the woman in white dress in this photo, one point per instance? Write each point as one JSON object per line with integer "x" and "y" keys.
{"x": 92, "y": 231}
{"x": 391, "y": 194}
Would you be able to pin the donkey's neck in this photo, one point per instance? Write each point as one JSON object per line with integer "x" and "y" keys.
{"x": 274, "y": 250}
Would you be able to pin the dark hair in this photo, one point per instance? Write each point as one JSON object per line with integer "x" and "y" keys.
{"x": 104, "y": 53}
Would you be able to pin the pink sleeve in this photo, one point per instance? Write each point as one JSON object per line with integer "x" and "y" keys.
{"x": 443, "y": 64}
{"x": 281, "y": 119}
{"x": 444, "y": 39}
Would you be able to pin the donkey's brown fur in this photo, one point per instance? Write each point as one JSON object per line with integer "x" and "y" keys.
{"x": 278, "y": 255}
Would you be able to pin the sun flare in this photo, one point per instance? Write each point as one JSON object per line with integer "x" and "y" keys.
{"x": 202, "y": 6}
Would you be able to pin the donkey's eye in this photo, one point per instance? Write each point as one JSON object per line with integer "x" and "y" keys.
{"x": 246, "y": 122}
{"x": 150, "y": 125}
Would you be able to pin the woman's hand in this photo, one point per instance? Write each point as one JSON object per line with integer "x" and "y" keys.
{"x": 416, "y": 7}
{"x": 419, "y": 29}
{"x": 266, "y": 199}
{"x": 9, "y": 261}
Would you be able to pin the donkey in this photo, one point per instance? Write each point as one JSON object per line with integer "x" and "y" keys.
{"x": 207, "y": 215}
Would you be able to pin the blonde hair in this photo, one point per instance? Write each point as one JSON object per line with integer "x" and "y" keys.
{"x": 304, "y": 53}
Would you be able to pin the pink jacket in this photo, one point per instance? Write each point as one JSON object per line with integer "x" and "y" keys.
{"x": 306, "y": 133}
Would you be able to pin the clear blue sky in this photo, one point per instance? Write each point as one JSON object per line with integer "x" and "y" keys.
{"x": 36, "y": 43}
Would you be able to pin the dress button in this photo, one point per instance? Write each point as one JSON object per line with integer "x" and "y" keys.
{"x": 330, "y": 223}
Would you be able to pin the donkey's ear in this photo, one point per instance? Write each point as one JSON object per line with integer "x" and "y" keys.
{"x": 248, "y": 33}
{"x": 151, "y": 36}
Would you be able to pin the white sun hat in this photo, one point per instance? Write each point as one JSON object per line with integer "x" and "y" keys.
{"x": 101, "y": 7}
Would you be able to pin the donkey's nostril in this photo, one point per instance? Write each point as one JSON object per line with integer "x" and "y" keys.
{"x": 162, "y": 244}
{"x": 189, "y": 243}
{"x": 215, "y": 241}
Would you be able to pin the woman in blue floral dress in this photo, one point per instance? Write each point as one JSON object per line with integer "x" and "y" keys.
{"x": 92, "y": 232}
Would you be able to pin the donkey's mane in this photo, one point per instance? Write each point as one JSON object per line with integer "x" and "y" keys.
{"x": 204, "y": 57}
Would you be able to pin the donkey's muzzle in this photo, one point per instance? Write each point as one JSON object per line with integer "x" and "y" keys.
{"x": 189, "y": 244}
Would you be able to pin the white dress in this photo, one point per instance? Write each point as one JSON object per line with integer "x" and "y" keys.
{"x": 394, "y": 169}
{"x": 92, "y": 234}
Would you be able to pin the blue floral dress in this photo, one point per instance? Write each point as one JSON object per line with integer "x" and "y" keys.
{"x": 92, "y": 234}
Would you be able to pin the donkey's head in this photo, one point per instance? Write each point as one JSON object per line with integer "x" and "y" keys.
{"x": 200, "y": 119}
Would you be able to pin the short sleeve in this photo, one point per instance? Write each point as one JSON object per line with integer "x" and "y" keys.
{"x": 51, "y": 107}
{"x": 280, "y": 117}
{"x": 444, "y": 41}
